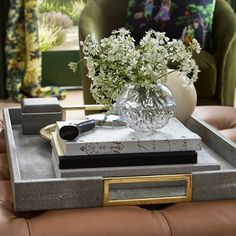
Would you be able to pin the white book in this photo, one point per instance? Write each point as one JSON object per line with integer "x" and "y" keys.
{"x": 113, "y": 140}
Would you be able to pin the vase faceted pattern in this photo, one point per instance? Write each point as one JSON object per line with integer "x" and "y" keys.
{"x": 145, "y": 109}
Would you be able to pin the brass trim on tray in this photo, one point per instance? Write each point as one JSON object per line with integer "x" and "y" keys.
{"x": 147, "y": 179}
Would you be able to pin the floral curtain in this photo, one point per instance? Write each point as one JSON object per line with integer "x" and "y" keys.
{"x": 23, "y": 54}
{"x": 4, "y": 5}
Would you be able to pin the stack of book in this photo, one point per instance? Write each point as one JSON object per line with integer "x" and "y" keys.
{"x": 122, "y": 147}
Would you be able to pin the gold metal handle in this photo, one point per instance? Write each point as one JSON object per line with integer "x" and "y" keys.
{"x": 107, "y": 201}
{"x": 93, "y": 107}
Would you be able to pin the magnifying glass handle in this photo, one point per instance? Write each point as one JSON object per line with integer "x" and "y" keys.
{"x": 86, "y": 125}
{"x": 71, "y": 132}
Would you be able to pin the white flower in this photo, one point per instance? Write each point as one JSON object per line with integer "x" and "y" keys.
{"x": 116, "y": 61}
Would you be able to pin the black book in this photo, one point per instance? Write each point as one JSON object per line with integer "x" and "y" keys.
{"x": 127, "y": 159}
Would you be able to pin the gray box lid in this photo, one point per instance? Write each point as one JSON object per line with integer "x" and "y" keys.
{"x": 40, "y": 105}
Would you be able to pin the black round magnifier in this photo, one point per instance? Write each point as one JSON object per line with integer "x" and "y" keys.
{"x": 71, "y": 132}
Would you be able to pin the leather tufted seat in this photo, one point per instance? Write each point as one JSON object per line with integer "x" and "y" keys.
{"x": 222, "y": 118}
{"x": 214, "y": 218}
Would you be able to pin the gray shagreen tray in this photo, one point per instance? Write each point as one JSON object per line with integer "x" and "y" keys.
{"x": 36, "y": 187}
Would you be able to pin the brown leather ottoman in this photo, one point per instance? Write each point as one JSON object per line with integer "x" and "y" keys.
{"x": 223, "y": 118}
{"x": 215, "y": 218}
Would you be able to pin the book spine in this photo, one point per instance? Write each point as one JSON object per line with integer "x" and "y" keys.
{"x": 59, "y": 143}
{"x": 55, "y": 165}
{"x": 98, "y": 148}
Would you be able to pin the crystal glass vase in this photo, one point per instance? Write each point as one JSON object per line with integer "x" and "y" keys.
{"x": 145, "y": 108}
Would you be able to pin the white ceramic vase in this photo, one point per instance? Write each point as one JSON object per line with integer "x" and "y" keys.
{"x": 185, "y": 96}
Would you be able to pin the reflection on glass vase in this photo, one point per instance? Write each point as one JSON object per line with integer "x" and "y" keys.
{"x": 145, "y": 108}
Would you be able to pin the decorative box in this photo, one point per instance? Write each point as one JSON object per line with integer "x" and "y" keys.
{"x": 38, "y": 113}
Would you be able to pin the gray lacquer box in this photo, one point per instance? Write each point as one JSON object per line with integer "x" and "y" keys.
{"x": 38, "y": 113}
{"x": 35, "y": 185}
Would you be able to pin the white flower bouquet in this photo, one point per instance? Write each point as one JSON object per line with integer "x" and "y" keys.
{"x": 117, "y": 61}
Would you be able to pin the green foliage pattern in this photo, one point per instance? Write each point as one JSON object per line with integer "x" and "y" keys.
{"x": 68, "y": 8}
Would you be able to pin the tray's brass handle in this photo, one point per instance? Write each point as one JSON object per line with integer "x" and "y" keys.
{"x": 147, "y": 200}
{"x": 92, "y": 107}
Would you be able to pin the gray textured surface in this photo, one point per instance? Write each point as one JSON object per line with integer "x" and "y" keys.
{"x": 33, "y": 180}
{"x": 214, "y": 139}
{"x": 33, "y": 155}
{"x": 58, "y": 194}
{"x": 35, "y": 186}
{"x": 32, "y": 123}
{"x": 214, "y": 185}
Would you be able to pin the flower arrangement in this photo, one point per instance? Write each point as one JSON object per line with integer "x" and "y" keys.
{"x": 117, "y": 61}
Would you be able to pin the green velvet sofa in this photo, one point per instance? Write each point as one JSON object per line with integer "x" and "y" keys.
{"x": 216, "y": 83}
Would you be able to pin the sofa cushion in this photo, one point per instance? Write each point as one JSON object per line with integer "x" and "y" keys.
{"x": 4, "y": 170}
{"x": 186, "y": 19}
{"x": 207, "y": 218}
{"x": 11, "y": 224}
{"x": 206, "y": 83}
{"x": 222, "y": 118}
{"x": 2, "y": 139}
